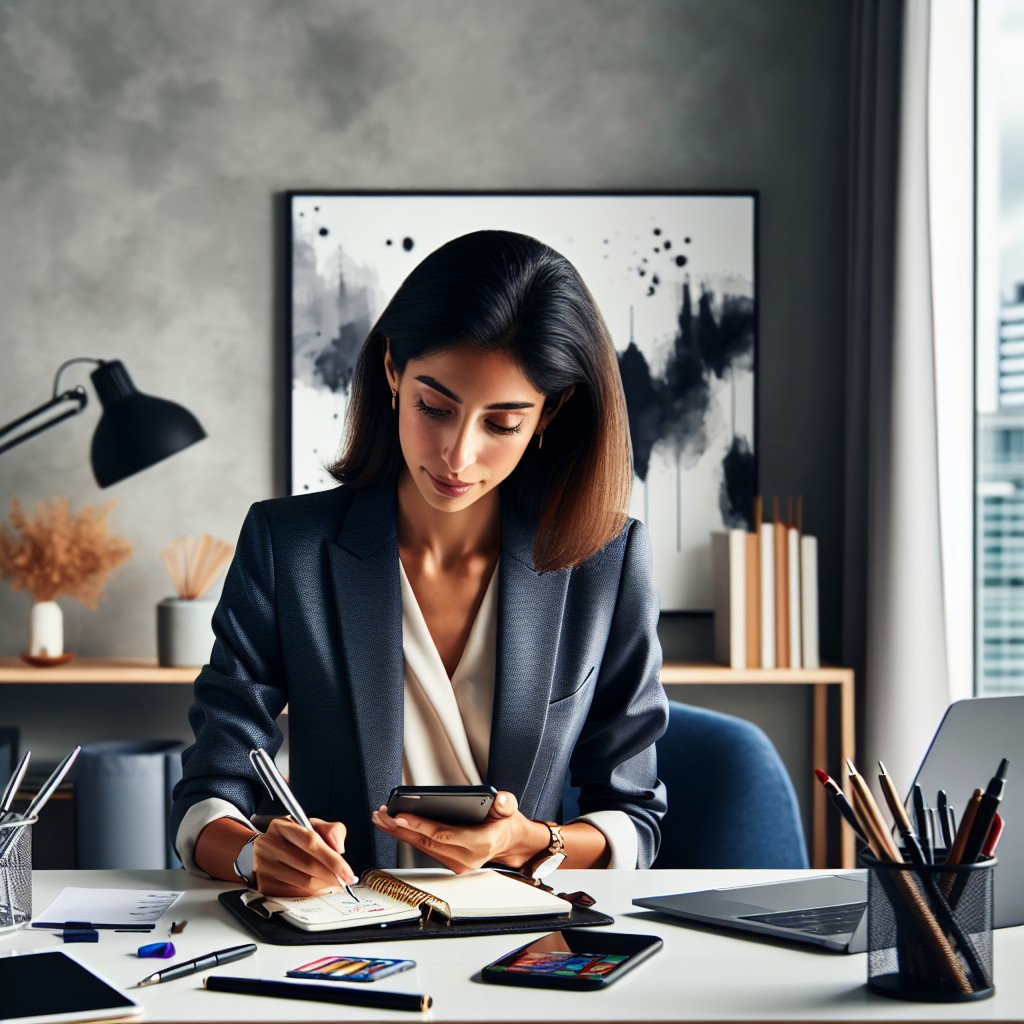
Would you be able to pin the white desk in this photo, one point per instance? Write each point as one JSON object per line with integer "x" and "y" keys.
{"x": 698, "y": 976}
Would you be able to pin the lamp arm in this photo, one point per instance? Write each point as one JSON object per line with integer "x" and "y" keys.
{"x": 63, "y": 366}
{"x": 77, "y": 395}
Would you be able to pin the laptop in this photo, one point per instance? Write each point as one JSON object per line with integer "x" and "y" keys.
{"x": 831, "y": 910}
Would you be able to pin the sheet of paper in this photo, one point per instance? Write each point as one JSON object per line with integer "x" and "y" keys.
{"x": 107, "y": 907}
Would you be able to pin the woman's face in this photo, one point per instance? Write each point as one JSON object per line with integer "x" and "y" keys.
{"x": 465, "y": 418}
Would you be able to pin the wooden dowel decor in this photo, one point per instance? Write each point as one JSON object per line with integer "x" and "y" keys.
{"x": 194, "y": 565}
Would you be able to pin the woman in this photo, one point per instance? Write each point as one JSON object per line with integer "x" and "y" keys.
{"x": 472, "y": 605}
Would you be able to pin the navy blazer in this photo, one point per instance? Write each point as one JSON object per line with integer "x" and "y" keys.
{"x": 311, "y": 617}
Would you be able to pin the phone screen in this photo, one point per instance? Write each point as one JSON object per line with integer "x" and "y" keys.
{"x": 574, "y": 958}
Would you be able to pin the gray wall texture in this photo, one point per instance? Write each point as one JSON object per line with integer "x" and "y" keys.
{"x": 143, "y": 146}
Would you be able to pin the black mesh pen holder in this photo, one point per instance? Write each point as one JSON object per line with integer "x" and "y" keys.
{"x": 930, "y": 930}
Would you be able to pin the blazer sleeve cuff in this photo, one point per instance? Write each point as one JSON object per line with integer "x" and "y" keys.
{"x": 198, "y": 816}
{"x": 618, "y": 828}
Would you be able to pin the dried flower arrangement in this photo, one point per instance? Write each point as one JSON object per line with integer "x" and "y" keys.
{"x": 54, "y": 553}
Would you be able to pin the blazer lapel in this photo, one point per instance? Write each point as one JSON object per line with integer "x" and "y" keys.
{"x": 530, "y": 608}
{"x": 364, "y": 569}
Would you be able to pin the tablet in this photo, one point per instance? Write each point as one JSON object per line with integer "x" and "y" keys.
{"x": 51, "y": 987}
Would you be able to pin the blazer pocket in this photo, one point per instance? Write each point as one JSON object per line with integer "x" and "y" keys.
{"x": 574, "y": 692}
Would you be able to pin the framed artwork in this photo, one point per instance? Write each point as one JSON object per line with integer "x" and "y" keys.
{"x": 674, "y": 275}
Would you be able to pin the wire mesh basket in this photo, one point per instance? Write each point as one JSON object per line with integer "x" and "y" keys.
{"x": 15, "y": 873}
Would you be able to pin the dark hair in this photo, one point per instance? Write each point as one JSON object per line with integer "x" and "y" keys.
{"x": 501, "y": 290}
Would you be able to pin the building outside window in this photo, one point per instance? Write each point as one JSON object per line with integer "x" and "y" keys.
{"x": 999, "y": 348}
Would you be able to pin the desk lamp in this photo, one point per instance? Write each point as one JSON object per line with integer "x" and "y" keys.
{"x": 134, "y": 432}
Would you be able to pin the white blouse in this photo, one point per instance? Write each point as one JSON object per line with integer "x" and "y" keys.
{"x": 446, "y": 734}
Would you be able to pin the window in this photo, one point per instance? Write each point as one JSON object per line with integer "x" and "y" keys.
{"x": 999, "y": 350}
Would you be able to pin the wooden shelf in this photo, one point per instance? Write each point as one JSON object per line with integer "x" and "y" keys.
{"x": 96, "y": 670}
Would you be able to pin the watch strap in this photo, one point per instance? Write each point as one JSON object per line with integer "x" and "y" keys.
{"x": 550, "y": 858}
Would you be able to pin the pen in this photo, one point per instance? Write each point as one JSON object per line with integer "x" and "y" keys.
{"x": 983, "y": 818}
{"x": 945, "y": 820}
{"x": 924, "y": 831}
{"x": 989, "y": 849}
{"x": 265, "y": 768}
{"x": 987, "y": 808}
{"x": 201, "y": 963}
{"x": 319, "y": 993}
{"x": 11, "y": 789}
{"x": 41, "y": 798}
{"x": 838, "y": 798}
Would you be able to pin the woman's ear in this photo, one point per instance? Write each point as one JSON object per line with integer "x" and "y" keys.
{"x": 390, "y": 370}
{"x": 545, "y": 420}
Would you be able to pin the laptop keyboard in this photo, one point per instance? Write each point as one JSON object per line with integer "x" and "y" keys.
{"x": 837, "y": 920}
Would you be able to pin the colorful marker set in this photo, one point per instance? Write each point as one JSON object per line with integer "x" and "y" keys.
{"x": 350, "y": 968}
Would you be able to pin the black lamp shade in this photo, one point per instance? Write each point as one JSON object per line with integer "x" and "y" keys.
{"x": 135, "y": 430}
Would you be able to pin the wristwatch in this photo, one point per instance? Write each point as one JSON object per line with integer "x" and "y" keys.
{"x": 244, "y": 861}
{"x": 544, "y": 863}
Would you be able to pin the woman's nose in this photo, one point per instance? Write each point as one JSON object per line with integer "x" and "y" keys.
{"x": 459, "y": 453}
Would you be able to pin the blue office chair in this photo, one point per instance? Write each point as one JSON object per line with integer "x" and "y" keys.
{"x": 730, "y": 800}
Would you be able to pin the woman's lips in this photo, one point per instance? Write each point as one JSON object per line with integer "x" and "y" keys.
{"x": 447, "y": 489}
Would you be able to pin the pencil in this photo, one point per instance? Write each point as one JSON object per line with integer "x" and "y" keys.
{"x": 899, "y": 813}
{"x": 963, "y": 832}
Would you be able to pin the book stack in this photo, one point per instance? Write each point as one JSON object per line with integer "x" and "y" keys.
{"x": 766, "y": 592}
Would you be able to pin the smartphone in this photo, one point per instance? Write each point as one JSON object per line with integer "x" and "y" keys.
{"x": 454, "y": 805}
{"x": 579, "y": 959}
{"x": 351, "y": 968}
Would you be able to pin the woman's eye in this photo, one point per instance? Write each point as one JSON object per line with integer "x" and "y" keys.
{"x": 498, "y": 428}
{"x": 430, "y": 410}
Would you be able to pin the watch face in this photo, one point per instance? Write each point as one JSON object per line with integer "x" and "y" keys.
{"x": 547, "y": 866}
{"x": 244, "y": 862}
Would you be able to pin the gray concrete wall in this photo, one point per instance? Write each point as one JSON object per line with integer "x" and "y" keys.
{"x": 141, "y": 149}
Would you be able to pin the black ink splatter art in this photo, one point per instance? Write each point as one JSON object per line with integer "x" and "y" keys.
{"x": 670, "y": 410}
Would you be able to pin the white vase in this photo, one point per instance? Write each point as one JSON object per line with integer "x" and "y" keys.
{"x": 46, "y": 630}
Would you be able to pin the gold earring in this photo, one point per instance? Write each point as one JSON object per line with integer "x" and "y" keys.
{"x": 540, "y": 440}
{"x": 394, "y": 398}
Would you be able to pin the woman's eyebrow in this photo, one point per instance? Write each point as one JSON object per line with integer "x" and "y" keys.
{"x": 448, "y": 393}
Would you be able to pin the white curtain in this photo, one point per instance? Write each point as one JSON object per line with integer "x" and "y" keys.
{"x": 919, "y": 486}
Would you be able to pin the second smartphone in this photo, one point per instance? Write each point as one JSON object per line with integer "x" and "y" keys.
{"x": 454, "y": 805}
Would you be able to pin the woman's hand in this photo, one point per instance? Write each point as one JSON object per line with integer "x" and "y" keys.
{"x": 292, "y": 861}
{"x": 505, "y": 836}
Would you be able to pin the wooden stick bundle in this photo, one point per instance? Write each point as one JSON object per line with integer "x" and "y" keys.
{"x": 194, "y": 565}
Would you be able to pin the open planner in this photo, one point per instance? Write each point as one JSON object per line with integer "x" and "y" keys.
{"x": 410, "y": 904}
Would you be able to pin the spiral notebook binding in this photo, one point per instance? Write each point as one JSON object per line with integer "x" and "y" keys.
{"x": 388, "y": 885}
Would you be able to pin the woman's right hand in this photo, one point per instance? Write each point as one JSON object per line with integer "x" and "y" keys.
{"x": 289, "y": 860}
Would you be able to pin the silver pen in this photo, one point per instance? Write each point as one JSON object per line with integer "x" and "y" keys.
{"x": 265, "y": 768}
{"x": 11, "y": 790}
{"x": 41, "y": 798}
{"x": 201, "y": 963}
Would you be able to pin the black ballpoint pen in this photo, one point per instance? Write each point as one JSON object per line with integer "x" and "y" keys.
{"x": 319, "y": 993}
{"x": 945, "y": 820}
{"x": 924, "y": 832}
{"x": 201, "y": 963}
